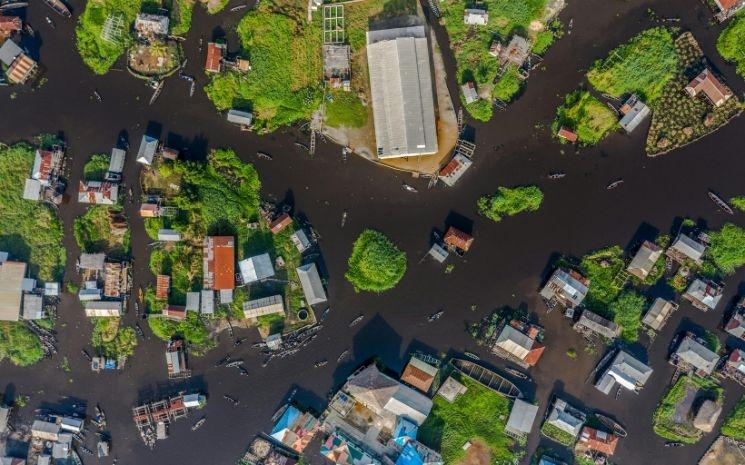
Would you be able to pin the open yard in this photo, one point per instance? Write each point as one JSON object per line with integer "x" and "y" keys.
{"x": 587, "y": 116}
{"x": 284, "y": 84}
{"x": 673, "y": 419}
{"x": 478, "y": 416}
{"x": 159, "y": 58}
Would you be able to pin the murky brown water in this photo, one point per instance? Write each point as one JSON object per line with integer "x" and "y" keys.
{"x": 505, "y": 267}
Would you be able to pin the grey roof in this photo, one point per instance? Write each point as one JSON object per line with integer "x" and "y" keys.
{"x": 562, "y": 417}
{"x": 169, "y": 235}
{"x": 256, "y": 268}
{"x": 207, "y": 306}
{"x": 240, "y": 117}
{"x": 311, "y": 283}
{"x": 92, "y": 261}
{"x": 469, "y": 92}
{"x": 4, "y": 416}
{"x": 689, "y": 247}
{"x": 693, "y": 353}
{"x": 522, "y": 417}
{"x": 598, "y": 324}
{"x": 514, "y": 342}
{"x": 626, "y": 371}
{"x": 146, "y": 152}
{"x": 438, "y": 253}
{"x": 336, "y": 57}
{"x": 32, "y": 189}
{"x": 192, "y": 301}
{"x": 32, "y": 307}
{"x": 658, "y": 313}
{"x": 9, "y": 51}
{"x": 707, "y": 293}
{"x": 637, "y": 112}
{"x": 460, "y": 164}
{"x": 563, "y": 285}
{"x": 116, "y": 162}
{"x": 517, "y": 51}
{"x": 264, "y": 306}
{"x": 402, "y": 95}
{"x": 300, "y": 239}
{"x": 643, "y": 262}
{"x": 736, "y": 324}
{"x": 45, "y": 427}
{"x": 11, "y": 283}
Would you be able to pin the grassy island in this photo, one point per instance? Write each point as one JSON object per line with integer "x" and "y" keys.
{"x": 111, "y": 340}
{"x": 510, "y": 201}
{"x": 587, "y": 116}
{"x": 29, "y": 232}
{"x": 97, "y": 53}
{"x": 731, "y": 43}
{"x": 284, "y": 84}
{"x": 471, "y": 46}
{"x": 486, "y": 412}
{"x": 671, "y": 419}
{"x": 376, "y": 264}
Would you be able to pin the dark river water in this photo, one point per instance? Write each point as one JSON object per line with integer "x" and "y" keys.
{"x": 506, "y": 265}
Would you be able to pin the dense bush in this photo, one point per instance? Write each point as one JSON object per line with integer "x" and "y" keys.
{"x": 727, "y": 248}
{"x": 96, "y": 52}
{"x": 19, "y": 344}
{"x": 111, "y": 340}
{"x": 585, "y": 115}
{"x": 731, "y": 43}
{"x": 627, "y": 311}
{"x": 375, "y": 264}
{"x": 734, "y": 425}
{"x": 508, "y": 85}
{"x": 510, "y": 201}
{"x": 96, "y": 167}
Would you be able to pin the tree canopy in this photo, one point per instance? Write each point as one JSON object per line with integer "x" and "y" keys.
{"x": 728, "y": 247}
{"x": 376, "y": 264}
{"x": 510, "y": 201}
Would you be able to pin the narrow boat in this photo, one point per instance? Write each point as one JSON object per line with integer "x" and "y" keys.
{"x": 29, "y": 30}
{"x": 222, "y": 361}
{"x": 342, "y": 356}
{"x": 409, "y": 188}
{"x": 156, "y": 92}
{"x": 516, "y": 373}
{"x": 302, "y": 146}
{"x": 356, "y": 321}
{"x": 85, "y": 450}
{"x": 471, "y": 355}
{"x": 720, "y": 203}
{"x": 673, "y": 444}
{"x": 614, "y": 184}
{"x": 231, "y": 400}
{"x": 234, "y": 364}
{"x": 435, "y": 316}
{"x": 238, "y": 8}
{"x": 50, "y": 22}
{"x": 86, "y": 355}
{"x": 321, "y": 363}
{"x": 325, "y": 314}
{"x": 343, "y": 218}
{"x": 138, "y": 330}
{"x": 58, "y": 7}
{"x": 198, "y": 424}
{"x": 264, "y": 155}
{"x": 98, "y": 96}
{"x": 13, "y": 6}
{"x": 611, "y": 424}
{"x": 487, "y": 378}
{"x": 558, "y": 175}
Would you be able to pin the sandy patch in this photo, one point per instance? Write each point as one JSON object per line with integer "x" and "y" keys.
{"x": 477, "y": 454}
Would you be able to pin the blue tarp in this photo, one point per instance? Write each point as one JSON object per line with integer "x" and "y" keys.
{"x": 285, "y": 422}
{"x": 109, "y": 364}
{"x": 409, "y": 456}
{"x": 404, "y": 431}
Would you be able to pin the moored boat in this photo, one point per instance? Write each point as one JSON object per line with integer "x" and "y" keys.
{"x": 487, "y": 378}
{"x": 614, "y": 184}
{"x": 356, "y": 320}
{"x": 720, "y": 203}
{"x": 59, "y": 7}
{"x": 516, "y": 373}
{"x": 198, "y": 424}
{"x": 13, "y": 6}
{"x": 611, "y": 424}
{"x": 558, "y": 175}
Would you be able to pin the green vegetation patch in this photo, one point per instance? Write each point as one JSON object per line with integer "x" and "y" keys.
{"x": 627, "y": 311}
{"x": 479, "y": 415}
{"x": 98, "y": 53}
{"x": 558, "y": 435}
{"x": 376, "y": 264}
{"x": 347, "y": 110}
{"x": 642, "y": 66}
{"x": 672, "y": 420}
{"x": 590, "y": 118}
{"x": 284, "y": 84}
{"x": 734, "y": 425}
{"x": 29, "y": 231}
{"x": 727, "y": 249}
{"x": 96, "y": 167}
{"x": 731, "y": 43}
{"x": 738, "y": 202}
{"x": 103, "y": 229}
{"x": 510, "y": 201}
{"x": 111, "y": 340}
{"x": 18, "y": 344}
{"x": 192, "y": 329}
{"x": 601, "y": 268}
{"x": 509, "y": 84}
{"x": 183, "y": 10}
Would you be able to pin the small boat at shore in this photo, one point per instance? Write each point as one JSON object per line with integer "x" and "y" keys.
{"x": 58, "y": 7}
{"x": 342, "y": 356}
{"x": 614, "y": 184}
{"x": 486, "y": 378}
{"x": 409, "y": 188}
{"x": 516, "y": 373}
{"x": 558, "y": 175}
{"x": 234, "y": 363}
{"x": 673, "y": 444}
{"x": 321, "y": 363}
{"x": 721, "y": 203}
{"x": 198, "y": 424}
{"x": 264, "y": 155}
{"x": 13, "y": 6}
{"x": 612, "y": 424}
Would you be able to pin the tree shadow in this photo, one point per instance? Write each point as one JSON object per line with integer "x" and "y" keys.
{"x": 18, "y": 250}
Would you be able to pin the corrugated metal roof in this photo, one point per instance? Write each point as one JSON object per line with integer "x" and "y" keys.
{"x": 310, "y": 280}
{"x": 256, "y": 268}
{"x": 11, "y": 283}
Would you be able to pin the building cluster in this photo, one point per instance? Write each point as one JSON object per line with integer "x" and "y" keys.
{"x": 454, "y": 240}
{"x": 21, "y": 297}
{"x": 19, "y": 67}
{"x": 217, "y": 62}
{"x": 154, "y": 418}
{"x": 45, "y": 182}
{"x": 725, "y": 9}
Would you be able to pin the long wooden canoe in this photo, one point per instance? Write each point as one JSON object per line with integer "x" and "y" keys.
{"x": 487, "y": 378}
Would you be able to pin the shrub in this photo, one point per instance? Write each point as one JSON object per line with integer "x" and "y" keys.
{"x": 19, "y": 344}
{"x": 727, "y": 248}
{"x": 96, "y": 167}
{"x": 480, "y": 110}
{"x": 508, "y": 85}
{"x": 110, "y": 340}
{"x": 731, "y": 43}
{"x": 734, "y": 425}
{"x": 510, "y": 201}
{"x": 375, "y": 264}
{"x": 627, "y": 311}
{"x": 587, "y": 116}
{"x": 738, "y": 202}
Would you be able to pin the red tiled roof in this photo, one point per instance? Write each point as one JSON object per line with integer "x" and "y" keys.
{"x": 214, "y": 57}
{"x": 417, "y": 378}
{"x": 593, "y": 439}
{"x": 534, "y": 355}
{"x": 10, "y": 24}
{"x": 219, "y": 262}
{"x": 567, "y": 134}
{"x": 280, "y": 223}
{"x": 176, "y": 312}
{"x": 163, "y": 284}
{"x": 458, "y": 238}
{"x": 450, "y": 168}
{"x": 725, "y": 5}
{"x": 45, "y": 167}
{"x": 707, "y": 83}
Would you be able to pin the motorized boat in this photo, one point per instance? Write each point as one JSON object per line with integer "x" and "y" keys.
{"x": 98, "y": 96}
{"x": 238, "y": 8}
{"x": 356, "y": 321}
{"x": 614, "y": 184}
{"x": 343, "y": 218}
{"x": 86, "y": 355}
{"x": 435, "y": 316}
{"x": 85, "y": 450}
{"x": 264, "y": 155}
{"x": 321, "y": 363}
{"x": 222, "y": 361}
{"x": 557, "y": 175}
{"x": 138, "y": 330}
{"x": 198, "y": 424}
{"x": 409, "y": 188}
{"x": 58, "y": 7}
{"x": 234, "y": 363}
{"x": 720, "y": 203}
